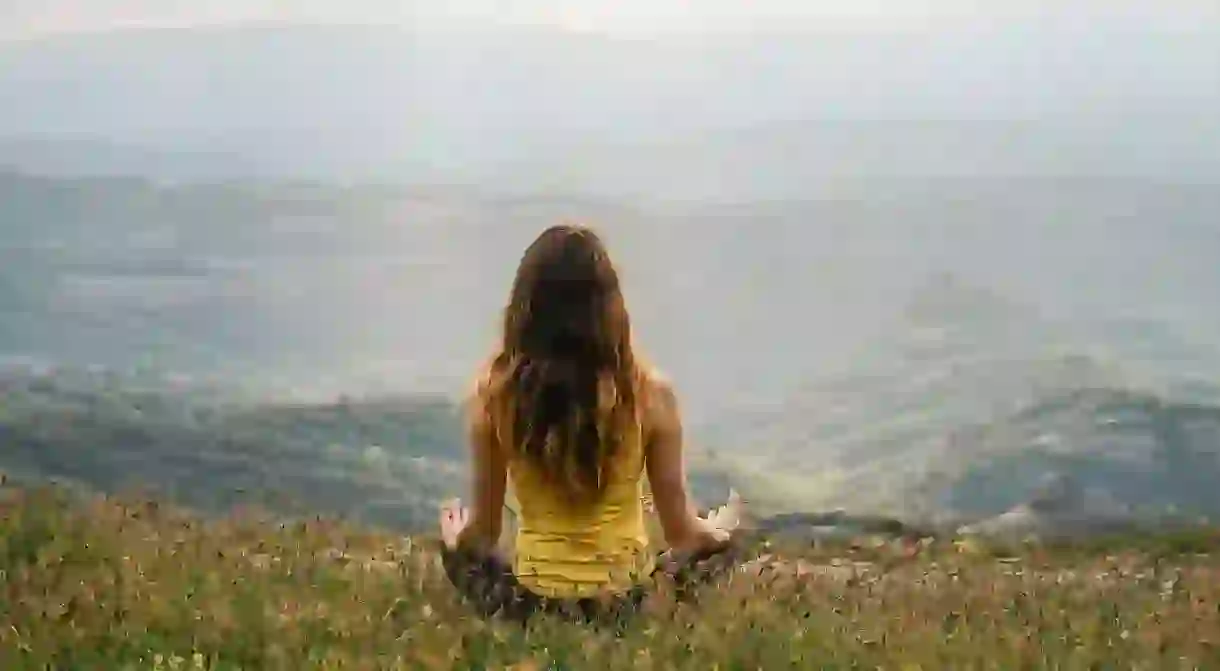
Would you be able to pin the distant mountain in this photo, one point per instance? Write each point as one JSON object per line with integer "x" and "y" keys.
{"x": 252, "y": 279}
{"x": 242, "y": 276}
{"x": 814, "y": 160}
{"x": 386, "y": 461}
{"x": 819, "y": 160}
{"x": 1059, "y": 508}
{"x": 972, "y": 413}
{"x": 812, "y": 360}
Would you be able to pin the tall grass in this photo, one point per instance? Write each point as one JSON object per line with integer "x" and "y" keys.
{"x": 128, "y": 584}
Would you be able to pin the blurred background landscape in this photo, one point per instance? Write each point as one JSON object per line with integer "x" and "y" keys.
{"x": 949, "y": 265}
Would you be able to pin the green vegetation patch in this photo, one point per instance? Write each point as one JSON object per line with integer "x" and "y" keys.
{"x": 122, "y": 584}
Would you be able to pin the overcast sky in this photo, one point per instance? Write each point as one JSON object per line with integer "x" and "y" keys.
{"x": 25, "y": 18}
{"x": 1087, "y": 62}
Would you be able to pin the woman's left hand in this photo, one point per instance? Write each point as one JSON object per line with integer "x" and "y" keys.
{"x": 728, "y": 516}
{"x": 453, "y": 520}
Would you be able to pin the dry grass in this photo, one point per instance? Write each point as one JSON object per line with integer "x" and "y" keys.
{"x": 130, "y": 585}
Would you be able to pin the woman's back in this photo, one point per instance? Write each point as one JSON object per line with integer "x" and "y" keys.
{"x": 567, "y": 548}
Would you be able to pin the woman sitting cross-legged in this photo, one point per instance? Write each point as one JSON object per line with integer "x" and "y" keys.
{"x": 569, "y": 413}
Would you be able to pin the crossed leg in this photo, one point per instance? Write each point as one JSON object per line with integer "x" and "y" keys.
{"x": 486, "y": 581}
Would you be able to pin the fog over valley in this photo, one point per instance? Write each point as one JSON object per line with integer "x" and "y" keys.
{"x": 959, "y": 268}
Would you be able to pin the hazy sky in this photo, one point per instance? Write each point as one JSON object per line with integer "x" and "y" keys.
{"x": 1084, "y": 62}
{"x": 23, "y": 18}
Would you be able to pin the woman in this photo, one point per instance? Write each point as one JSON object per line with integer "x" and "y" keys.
{"x": 568, "y": 411}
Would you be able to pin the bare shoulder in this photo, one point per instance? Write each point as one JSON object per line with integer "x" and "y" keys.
{"x": 475, "y": 402}
{"x": 660, "y": 401}
{"x": 479, "y": 383}
{"x": 479, "y": 387}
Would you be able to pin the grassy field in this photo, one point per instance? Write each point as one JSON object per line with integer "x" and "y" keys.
{"x": 108, "y": 584}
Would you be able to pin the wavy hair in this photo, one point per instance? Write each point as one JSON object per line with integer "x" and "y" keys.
{"x": 560, "y": 392}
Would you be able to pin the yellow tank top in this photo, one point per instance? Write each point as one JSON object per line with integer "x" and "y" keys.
{"x": 571, "y": 551}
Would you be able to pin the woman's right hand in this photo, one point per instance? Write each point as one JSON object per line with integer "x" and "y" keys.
{"x": 453, "y": 521}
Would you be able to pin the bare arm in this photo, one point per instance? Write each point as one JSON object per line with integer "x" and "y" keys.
{"x": 488, "y": 482}
{"x": 665, "y": 464}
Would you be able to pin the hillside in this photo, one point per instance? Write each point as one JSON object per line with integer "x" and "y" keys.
{"x": 135, "y": 584}
{"x": 899, "y": 354}
{"x": 974, "y": 403}
{"x": 385, "y": 462}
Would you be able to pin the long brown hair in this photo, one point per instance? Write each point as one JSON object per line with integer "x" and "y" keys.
{"x": 560, "y": 392}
